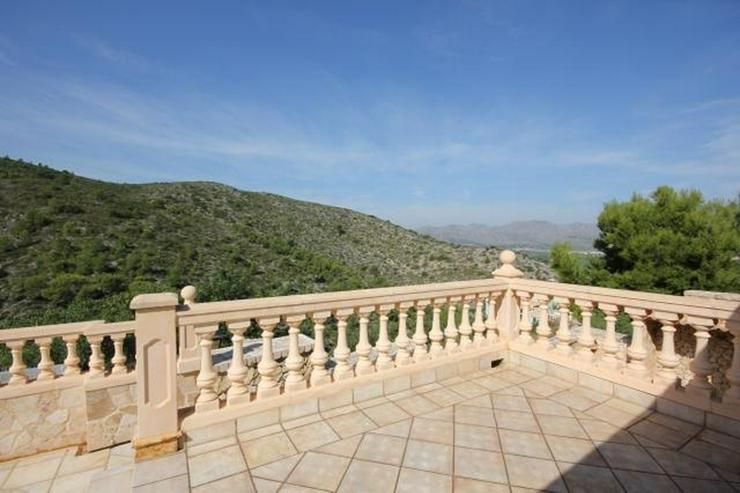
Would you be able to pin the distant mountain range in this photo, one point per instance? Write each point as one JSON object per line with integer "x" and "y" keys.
{"x": 535, "y": 235}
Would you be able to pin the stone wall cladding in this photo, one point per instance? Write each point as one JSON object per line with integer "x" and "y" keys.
{"x": 40, "y": 422}
{"x": 111, "y": 416}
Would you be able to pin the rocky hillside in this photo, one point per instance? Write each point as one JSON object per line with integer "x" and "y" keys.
{"x": 535, "y": 235}
{"x": 73, "y": 248}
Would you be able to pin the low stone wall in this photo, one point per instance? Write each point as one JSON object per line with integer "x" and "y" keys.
{"x": 43, "y": 421}
{"x": 111, "y": 416}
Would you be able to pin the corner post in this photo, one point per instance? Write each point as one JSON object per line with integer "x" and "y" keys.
{"x": 157, "y": 429}
{"x": 508, "y": 314}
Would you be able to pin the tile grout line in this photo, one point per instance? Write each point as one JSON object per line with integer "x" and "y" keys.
{"x": 547, "y": 444}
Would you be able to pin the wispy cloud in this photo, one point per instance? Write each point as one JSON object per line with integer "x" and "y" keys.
{"x": 104, "y": 51}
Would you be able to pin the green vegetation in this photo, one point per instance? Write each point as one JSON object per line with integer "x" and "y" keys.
{"x": 73, "y": 248}
{"x": 668, "y": 242}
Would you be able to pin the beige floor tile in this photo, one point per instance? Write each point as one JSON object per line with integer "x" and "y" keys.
{"x": 238, "y": 482}
{"x": 585, "y": 478}
{"x": 386, "y": 413}
{"x": 511, "y": 403}
{"x": 76, "y": 463}
{"x": 540, "y": 389}
{"x": 467, "y": 485}
{"x": 513, "y": 376}
{"x": 722, "y": 439}
{"x": 432, "y": 430}
{"x": 480, "y": 401}
{"x": 216, "y": 464}
{"x": 319, "y": 471}
{"x": 622, "y": 456}
{"x": 346, "y": 447}
{"x": 372, "y": 402}
{"x": 538, "y": 474}
{"x": 350, "y": 424}
{"x": 678, "y": 464}
{"x": 312, "y": 436}
{"x": 444, "y": 414}
{"x": 266, "y": 486}
{"x": 38, "y": 487}
{"x": 480, "y": 464}
{"x": 400, "y": 429}
{"x": 591, "y": 394}
{"x": 423, "y": 389}
{"x": 202, "y": 448}
{"x": 562, "y": 426}
{"x": 177, "y": 484}
{"x": 444, "y": 397}
{"x": 514, "y": 390}
{"x": 278, "y": 470}
{"x": 574, "y": 450}
{"x": 397, "y": 396}
{"x": 73, "y": 483}
{"x": 524, "y": 443}
{"x": 574, "y": 400}
{"x": 713, "y": 454}
{"x": 474, "y": 416}
{"x": 417, "y": 405}
{"x": 338, "y": 411}
{"x": 413, "y": 481}
{"x": 479, "y": 437}
{"x": 112, "y": 481}
{"x": 601, "y": 431}
{"x": 168, "y": 466}
{"x": 25, "y": 473}
{"x": 660, "y": 434}
{"x": 550, "y": 408}
{"x": 514, "y": 420}
{"x": 451, "y": 381}
{"x": 291, "y": 488}
{"x": 267, "y": 449}
{"x": 640, "y": 482}
{"x": 369, "y": 477}
{"x": 692, "y": 485}
{"x": 260, "y": 432}
{"x": 302, "y": 421}
{"x": 469, "y": 389}
{"x": 492, "y": 383}
{"x": 382, "y": 448}
{"x": 428, "y": 456}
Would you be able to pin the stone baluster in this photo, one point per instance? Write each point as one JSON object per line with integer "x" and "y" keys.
{"x": 543, "y": 323}
{"x": 294, "y": 362}
{"x": 267, "y": 367}
{"x": 700, "y": 365}
{"x": 420, "y": 336}
{"x": 435, "y": 334}
{"x": 207, "y": 399}
{"x": 188, "y": 349}
{"x": 238, "y": 390}
{"x": 465, "y": 329}
{"x": 609, "y": 345}
{"x": 732, "y": 395}
{"x": 343, "y": 370}
{"x": 586, "y": 338}
{"x": 18, "y": 367}
{"x": 637, "y": 351}
{"x": 563, "y": 333}
{"x": 479, "y": 327}
{"x": 450, "y": 333}
{"x": 71, "y": 361}
{"x": 46, "y": 365}
{"x": 319, "y": 356}
{"x": 96, "y": 363}
{"x": 525, "y": 325}
{"x": 364, "y": 364}
{"x": 667, "y": 358}
{"x": 383, "y": 345}
{"x": 119, "y": 358}
{"x": 403, "y": 357}
{"x": 491, "y": 325}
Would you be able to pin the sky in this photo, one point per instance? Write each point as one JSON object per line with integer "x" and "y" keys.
{"x": 424, "y": 113}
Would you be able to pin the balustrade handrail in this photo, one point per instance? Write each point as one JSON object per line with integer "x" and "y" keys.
{"x": 48, "y": 331}
{"x": 690, "y": 306}
{"x": 202, "y": 314}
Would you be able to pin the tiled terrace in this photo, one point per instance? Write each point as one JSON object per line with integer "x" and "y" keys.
{"x": 505, "y": 429}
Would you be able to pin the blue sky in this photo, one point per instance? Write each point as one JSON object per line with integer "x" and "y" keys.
{"x": 419, "y": 112}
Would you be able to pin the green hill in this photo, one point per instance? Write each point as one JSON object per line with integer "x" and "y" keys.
{"x": 72, "y": 248}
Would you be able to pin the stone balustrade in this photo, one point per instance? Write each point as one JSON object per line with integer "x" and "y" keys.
{"x": 360, "y": 336}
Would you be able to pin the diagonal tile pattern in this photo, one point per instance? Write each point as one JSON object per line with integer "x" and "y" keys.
{"x": 504, "y": 429}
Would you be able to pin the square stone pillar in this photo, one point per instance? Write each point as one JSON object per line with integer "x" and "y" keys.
{"x": 157, "y": 429}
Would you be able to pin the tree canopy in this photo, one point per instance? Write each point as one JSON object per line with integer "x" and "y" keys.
{"x": 666, "y": 242}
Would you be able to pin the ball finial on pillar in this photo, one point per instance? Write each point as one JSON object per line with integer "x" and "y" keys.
{"x": 507, "y": 269}
{"x": 188, "y": 294}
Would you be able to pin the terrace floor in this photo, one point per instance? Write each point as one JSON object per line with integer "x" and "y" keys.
{"x": 504, "y": 429}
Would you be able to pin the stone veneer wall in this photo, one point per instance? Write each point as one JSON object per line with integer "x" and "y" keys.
{"x": 111, "y": 415}
{"x": 43, "y": 421}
